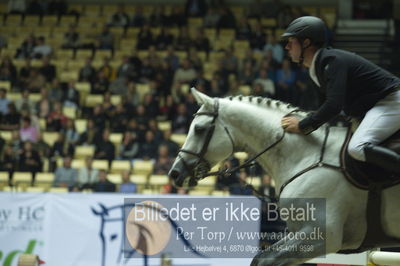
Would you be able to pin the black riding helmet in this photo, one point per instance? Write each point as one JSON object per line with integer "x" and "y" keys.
{"x": 307, "y": 27}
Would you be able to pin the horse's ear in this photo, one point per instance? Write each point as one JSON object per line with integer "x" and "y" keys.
{"x": 200, "y": 97}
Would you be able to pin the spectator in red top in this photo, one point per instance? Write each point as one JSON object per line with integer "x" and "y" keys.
{"x": 28, "y": 132}
{"x": 56, "y": 120}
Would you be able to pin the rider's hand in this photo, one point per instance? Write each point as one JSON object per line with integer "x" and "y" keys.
{"x": 291, "y": 124}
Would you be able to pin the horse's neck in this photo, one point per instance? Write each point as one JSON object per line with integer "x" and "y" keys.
{"x": 255, "y": 128}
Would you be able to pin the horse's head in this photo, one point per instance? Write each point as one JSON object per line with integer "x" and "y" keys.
{"x": 207, "y": 143}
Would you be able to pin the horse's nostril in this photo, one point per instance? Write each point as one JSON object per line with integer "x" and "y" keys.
{"x": 174, "y": 174}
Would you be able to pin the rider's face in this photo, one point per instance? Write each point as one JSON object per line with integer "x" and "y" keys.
{"x": 294, "y": 49}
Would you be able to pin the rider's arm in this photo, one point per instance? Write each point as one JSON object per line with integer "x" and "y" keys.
{"x": 335, "y": 75}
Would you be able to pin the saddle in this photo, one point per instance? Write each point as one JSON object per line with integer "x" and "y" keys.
{"x": 375, "y": 180}
{"x": 364, "y": 175}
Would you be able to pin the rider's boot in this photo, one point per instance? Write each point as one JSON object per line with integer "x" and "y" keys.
{"x": 383, "y": 157}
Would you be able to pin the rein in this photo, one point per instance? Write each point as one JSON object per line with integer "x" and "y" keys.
{"x": 228, "y": 171}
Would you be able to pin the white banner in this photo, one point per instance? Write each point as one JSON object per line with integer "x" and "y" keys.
{"x": 73, "y": 229}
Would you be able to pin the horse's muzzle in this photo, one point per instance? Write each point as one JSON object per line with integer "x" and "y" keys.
{"x": 178, "y": 172}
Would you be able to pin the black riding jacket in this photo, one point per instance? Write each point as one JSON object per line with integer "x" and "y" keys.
{"x": 349, "y": 83}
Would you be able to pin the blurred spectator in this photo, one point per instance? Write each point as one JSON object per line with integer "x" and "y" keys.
{"x": 195, "y": 59}
{"x": 173, "y": 147}
{"x": 247, "y": 74}
{"x": 65, "y": 176}
{"x": 105, "y": 149}
{"x": 99, "y": 117}
{"x": 141, "y": 117}
{"x": 243, "y": 29}
{"x": 41, "y": 49}
{"x": 91, "y": 135}
{"x": 55, "y": 92}
{"x": 105, "y": 40}
{"x": 153, "y": 127}
{"x": 163, "y": 162}
{"x": 56, "y": 120}
{"x": 8, "y": 162}
{"x": 138, "y": 19}
{"x": 151, "y": 105}
{"x": 201, "y": 41}
{"x": 267, "y": 84}
{"x": 183, "y": 41}
{"x": 16, "y": 143}
{"x": 47, "y": 69}
{"x": 8, "y": 71}
{"x": 227, "y": 19}
{"x": 266, "y": 187}
{"x": 108, "y": 69}
{"x": 35, "y": 81}
{"x": 87, "y": 175}
{"x": 169, "y": 188}
{"x": 241, "y": 188}
{"x": 181, "y": 122}
{"x": 100, "y": 84}
{"x": 11, "y": 119}
{"x": 34, "y": 8}
{"x": 273, "y": 8}
{"x": 25, "y": 103}
{"x": 158, "y": 17}
{"x": 28, "y": 132}
{"x": 177, "y": 17}
{"x": 211, "y": 18}
{"x": 26, "y": 48}
{"x": 71, "y": 38}
{"x": 107, "y": 106}
{"x": 42, "y": 147}
{"x": 119, "y": 18}
{"x": 144, "y": 38}
{"x": 257, "y": 38}
{"x": 171, "y": 58}
{"x": 285, "y": 78}
{"x": 29, "y": 160}
{"x": 16, "y": 6}
{"x": 273, "y": 45}
{"x": 229, "y": 62}
{"x": 127, "y": 186}
{"x": 195, "y": 8}
{"x": 104, "y": 185}
{"x": 61, "y": 148}
{"x": 147, "y": 71}
{"x": 87, "y": 73}
{"x": 70, "y": 96}
{"x": 226, "y": 181}
{"x": 305, "y": 94}
{"x": 168, "y": 108}
{"x": 184, "y": 74}
{"x": 3, "y": 102}
{"x": 137, "y": 130}
{"x": 119, "y": 119}
{"x": 126, "y": 70}
{"x": 129, "y": 148}
{"x": 201, "y": 83}
{"x": 254, "y": 9}
{"x": 70, "y": 133}
{"x": 57, "y": 7}
{"x": 148, "y": 149}
{"x": 132, "y": 96}
{"x": 164, "y": 39}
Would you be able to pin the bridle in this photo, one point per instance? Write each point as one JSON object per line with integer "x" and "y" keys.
{"x": 196, "y": 176}
{"x": 201, "y": 164}
{"x": 204, "y": 164}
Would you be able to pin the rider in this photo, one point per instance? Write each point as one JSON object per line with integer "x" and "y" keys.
{"x": 350, "y": 84}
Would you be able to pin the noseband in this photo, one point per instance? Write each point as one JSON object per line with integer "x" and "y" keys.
{"x": 201, "y": 161}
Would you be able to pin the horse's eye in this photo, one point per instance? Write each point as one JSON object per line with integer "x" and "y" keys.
{"x": 199, "y": 128}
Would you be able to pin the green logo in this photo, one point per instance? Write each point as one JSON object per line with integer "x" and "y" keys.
{"x": 9, "y": 258}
